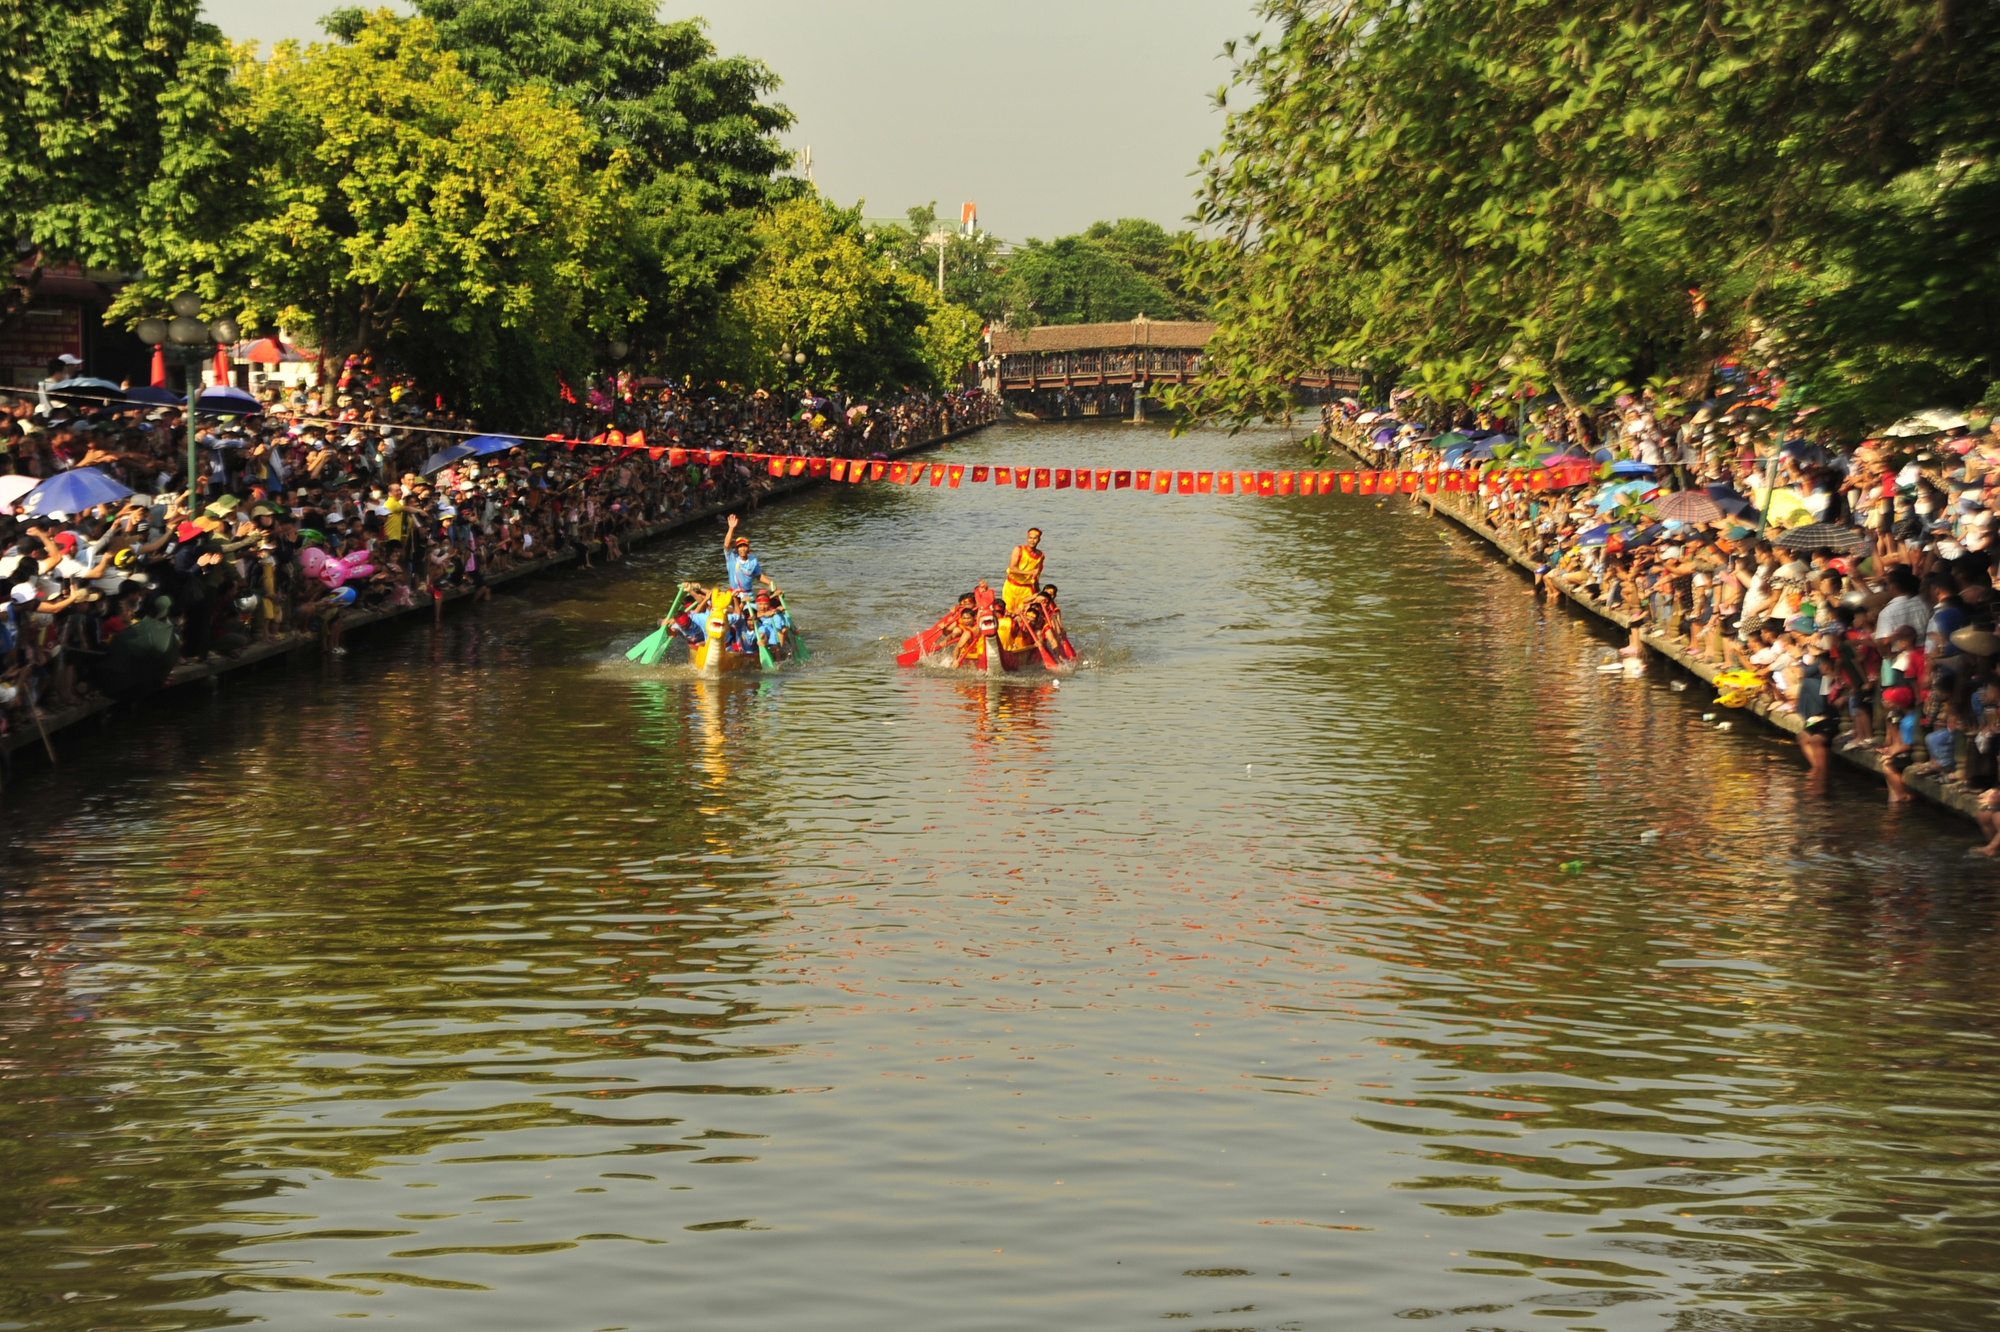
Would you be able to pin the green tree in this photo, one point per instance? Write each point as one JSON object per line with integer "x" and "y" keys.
{"x": 1502, "y": 190}
{"x": 93, "y": 91}
{"x": 818, "y": 289}
{"x": 974, "y": 275}
{"x": 1155, "y": 254}
{"x": 374, "y": 197}
{"x": 1077, "y": 280}
{"x": 695, "y": 129}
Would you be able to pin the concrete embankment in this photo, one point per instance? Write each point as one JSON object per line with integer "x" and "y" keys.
{"x": 1464, "y": 511}
{"x": 28, "y": 738}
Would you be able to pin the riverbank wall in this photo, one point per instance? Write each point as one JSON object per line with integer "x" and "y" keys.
{"x": 30, "y": 741}
{"x": 1463, "y": 511}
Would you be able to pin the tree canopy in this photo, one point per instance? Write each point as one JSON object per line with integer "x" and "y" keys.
{"x": 92, "y": 94}
{"x": 1574, "y": 193}
{"x": 371, "y": 196}
{"x": 819, "y": 291}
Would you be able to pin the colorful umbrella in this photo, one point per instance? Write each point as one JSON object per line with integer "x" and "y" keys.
{"x": 1689, "y": 506}
{"x": 73, "y": 491}
{"x": 1823, "y": 536}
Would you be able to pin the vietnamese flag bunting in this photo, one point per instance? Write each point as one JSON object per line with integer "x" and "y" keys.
{"x": 1267, "y": 483}
{"x": 1041, "y": 478}
{"x": 1368, "y": 483}
{"x": 1163, "y": 483}
{"x": 1184, "y": 483}
{"x": 1121, "y": 480}
{"x": 877, "y": 470}
{"x": 716, "y": 457}
{"x": 1286, "y": 481}
{"x": 1246, "y": 483}
{"x": 837, "y": 469}
{"x": 1104, "y": 480}
{"x": 1410, "y": 483}
{"x": 777, "y": 467}
{"x": 899, "y": 472}
{"x": 797, "y": 467}
{"x": 937, "y": 474}
{"x": 1083, "y": 478}
{"x": 979, "y": 476}
{"x": 1020, "y": 478}
{"x": 1225, "y": 483}
{"x": 1142, "y": 480}
{"x": 1430, "y": 483}
{"x": 1062, "y": 478}
{"x": 677, "y": 457}
{"x": 1003, "y": 476}
{"x": 1347, "y": 483}
{"x": 1454, "y": 482}
{"x": 817, "y": 467}
{"x": 957, "y": 474}
{"x": 917, "y": 472}
{"x": 1204, "y": 482}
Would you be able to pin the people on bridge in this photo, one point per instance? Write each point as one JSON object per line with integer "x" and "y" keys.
{"x": 1024, "y": 571}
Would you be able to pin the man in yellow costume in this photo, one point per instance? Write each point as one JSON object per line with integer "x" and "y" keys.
{"x": 1024, "y": 572}
{"x": 1024, "y": 579}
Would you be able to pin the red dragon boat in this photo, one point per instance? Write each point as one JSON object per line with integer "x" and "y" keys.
{"x": 983, "y": 637}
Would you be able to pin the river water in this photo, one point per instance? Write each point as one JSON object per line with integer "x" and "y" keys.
{"x": 1336, "y": 945}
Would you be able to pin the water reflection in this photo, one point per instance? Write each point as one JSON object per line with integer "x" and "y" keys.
{"x": 1338, "y": 946}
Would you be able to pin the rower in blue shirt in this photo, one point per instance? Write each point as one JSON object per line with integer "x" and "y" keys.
{"x": 744, "y": 570}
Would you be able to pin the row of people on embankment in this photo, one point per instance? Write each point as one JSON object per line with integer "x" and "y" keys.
{"x": 1850, "y": 587}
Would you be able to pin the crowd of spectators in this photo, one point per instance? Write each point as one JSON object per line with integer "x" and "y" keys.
{"x": 1851, "y": 587}
{"x": 309, "y": 506}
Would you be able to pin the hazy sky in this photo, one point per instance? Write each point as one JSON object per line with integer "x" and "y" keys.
{"x": 1050, "y": 114}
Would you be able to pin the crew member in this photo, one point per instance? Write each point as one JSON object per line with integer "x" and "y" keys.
{"x": 744, "y": 570}
{"x": 1024, "y": 572}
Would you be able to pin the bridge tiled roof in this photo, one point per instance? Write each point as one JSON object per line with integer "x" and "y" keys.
{"x": 1094, "y": 337}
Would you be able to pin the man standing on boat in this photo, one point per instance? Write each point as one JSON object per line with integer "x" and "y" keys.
{"x": 744, "y": 570}
{"x": 1024, "y": 572}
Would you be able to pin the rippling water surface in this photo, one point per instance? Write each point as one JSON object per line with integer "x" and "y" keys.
{"x": 1336, "y": 946}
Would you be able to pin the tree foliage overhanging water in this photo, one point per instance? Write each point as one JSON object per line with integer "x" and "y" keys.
{"x": 1579, "y": 192}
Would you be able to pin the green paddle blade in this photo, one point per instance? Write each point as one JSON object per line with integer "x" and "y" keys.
{"x": 647, "y": 649}
{"x": 764, "y": 656}
{"x": 799, "y": 645}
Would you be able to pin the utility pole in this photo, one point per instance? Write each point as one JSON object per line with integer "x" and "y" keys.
{"x": 940, "y": 238}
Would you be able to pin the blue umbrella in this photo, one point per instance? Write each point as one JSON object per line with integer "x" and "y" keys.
{"x": 73, "y": 491}
{"x": 1630, "y": 468}
{"x": 1602, "y": 455}
{"x": 448, "y": 455}
{"x": 1480, "y": 452}
{"x": 228, "y": 401}
{"x": 1596, "y": 536}
{"x": 157, "y": 397}
{"x": 481, "y": 445}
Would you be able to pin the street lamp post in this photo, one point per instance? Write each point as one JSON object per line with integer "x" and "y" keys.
{"x": 187, "y": 341}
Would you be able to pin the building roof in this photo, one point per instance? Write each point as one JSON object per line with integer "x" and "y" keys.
{"x": 1141, "y": 332}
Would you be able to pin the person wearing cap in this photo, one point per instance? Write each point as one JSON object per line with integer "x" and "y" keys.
{"x": 745, "y": 570}
{"x": 1900, "y": 703}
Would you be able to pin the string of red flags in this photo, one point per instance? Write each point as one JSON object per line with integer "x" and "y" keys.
{"x": 1156, "y": 481}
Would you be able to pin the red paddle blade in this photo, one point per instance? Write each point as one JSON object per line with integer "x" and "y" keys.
{"x": 910, "y": 658}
